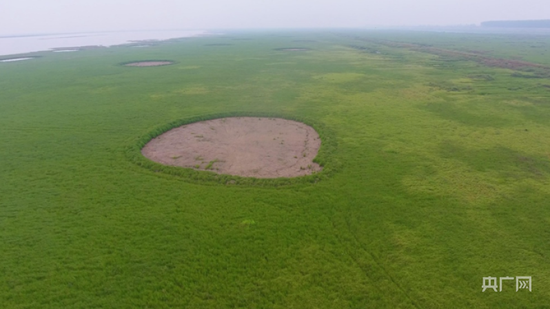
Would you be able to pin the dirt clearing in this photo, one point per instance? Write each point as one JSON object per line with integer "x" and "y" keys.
{"x": 242, "y": 146}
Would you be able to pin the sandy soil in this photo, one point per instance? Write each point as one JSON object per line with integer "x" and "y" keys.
{"x": 148, "y": 63}
{"x": 243, "y": 146}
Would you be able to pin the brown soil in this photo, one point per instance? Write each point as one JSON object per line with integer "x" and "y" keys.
{"x": 243, "y": 146}
{"x": 148, "y": 63}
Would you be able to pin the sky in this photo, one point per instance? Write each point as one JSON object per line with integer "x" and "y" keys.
{"x": 64, "y": 16}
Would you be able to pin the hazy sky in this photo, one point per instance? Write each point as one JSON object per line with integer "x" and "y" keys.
{"x": 41, "y": 16}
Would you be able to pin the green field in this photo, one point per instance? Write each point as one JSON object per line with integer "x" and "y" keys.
{"x": 436, "y": 174}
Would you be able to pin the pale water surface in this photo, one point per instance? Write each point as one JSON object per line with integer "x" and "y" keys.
{"x": 15, "y": 59}
{"x": 12, "y": 45}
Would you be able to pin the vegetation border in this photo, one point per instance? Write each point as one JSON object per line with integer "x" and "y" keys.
{"x": 324, "y": 157}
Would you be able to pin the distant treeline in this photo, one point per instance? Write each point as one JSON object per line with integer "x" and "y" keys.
{"x": 518, "y": 23}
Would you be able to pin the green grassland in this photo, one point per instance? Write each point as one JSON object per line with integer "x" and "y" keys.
{"x": 534, "y": 48}
{"x": 436, "y": 175}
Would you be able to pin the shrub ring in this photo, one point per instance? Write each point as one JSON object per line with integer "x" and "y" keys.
{"x": 325, "y": 156}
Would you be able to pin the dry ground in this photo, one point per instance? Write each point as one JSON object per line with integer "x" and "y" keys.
{"x": 243, "y": 146}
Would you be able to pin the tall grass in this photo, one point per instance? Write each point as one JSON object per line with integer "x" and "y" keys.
{"x": 436, "y": 173}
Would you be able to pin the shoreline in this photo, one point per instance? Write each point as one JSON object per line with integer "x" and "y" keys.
{"x": 27, "y": 44}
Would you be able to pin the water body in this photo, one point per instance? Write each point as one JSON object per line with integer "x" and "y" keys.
{"x": 15, "y": 59}
{"x": 20, "y": 44}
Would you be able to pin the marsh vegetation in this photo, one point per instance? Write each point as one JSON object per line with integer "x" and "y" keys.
{"x": 435, "y": 174}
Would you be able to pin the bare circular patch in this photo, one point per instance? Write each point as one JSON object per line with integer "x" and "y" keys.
{"x": 242, "y": 146}
{"x": 148, "y": 63}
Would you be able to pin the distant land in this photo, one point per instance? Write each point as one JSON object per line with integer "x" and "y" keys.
{"x": 545, "y": 23}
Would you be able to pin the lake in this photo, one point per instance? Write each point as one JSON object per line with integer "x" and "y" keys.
{"x": 20, "y": 44}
